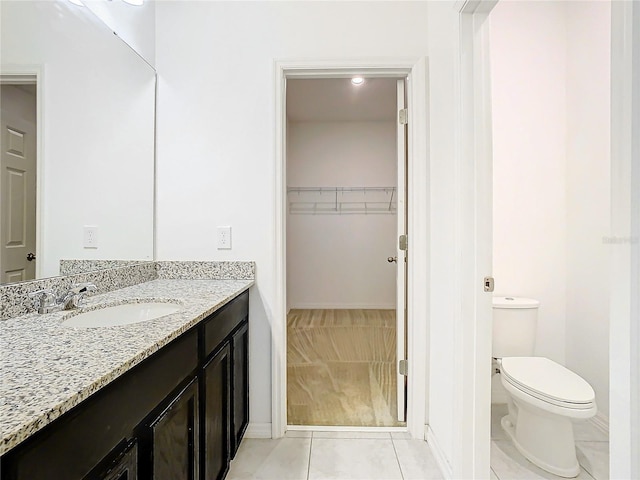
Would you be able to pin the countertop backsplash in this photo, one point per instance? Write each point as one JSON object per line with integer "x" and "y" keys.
{"x": 71, "y": 267}
{"x": 189, "y": 270}
{"x": 15, "y": 300}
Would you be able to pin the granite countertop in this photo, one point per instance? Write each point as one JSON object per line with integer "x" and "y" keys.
{"x": 47, "y": 368}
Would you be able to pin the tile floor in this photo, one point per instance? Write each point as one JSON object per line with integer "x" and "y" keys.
{"x": 507, "y": 463}
{"x": 335, "y": 456}
{"x": 393, "y": 456}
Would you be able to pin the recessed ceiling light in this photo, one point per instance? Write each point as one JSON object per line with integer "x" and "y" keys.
{"x": 357, "y": 80}
{"x": 137, "y": 3}
{"x": 77, "y": 2}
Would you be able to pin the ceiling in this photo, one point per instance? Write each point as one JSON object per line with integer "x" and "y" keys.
{"x": 338, "y": 100}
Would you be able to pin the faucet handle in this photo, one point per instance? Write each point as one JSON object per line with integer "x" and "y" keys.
{"x": 43, "y": 299}
{"x": 79, "y": 290}
{"x": 82, "y": 288}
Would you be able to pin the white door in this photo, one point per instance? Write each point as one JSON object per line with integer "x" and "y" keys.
{"x": 401, "y": 255}
{"x": 17, "y": 183}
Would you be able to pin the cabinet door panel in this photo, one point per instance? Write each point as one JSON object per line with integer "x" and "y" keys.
{"x": 240, "y": 406}
{"x": 217, "y": 374}
{"x": 175, "y": 438}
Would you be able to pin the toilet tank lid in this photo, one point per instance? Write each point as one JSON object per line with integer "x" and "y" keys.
{"x": 515, "y": 302}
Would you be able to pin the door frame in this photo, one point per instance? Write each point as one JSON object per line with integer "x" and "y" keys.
{"x": 416, "y": 71}
{"x": 474, "y": 242}
{"x": 624, "y": 328}
{"x": 24, "y": 73}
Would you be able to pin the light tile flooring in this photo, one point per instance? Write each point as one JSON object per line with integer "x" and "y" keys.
{"x": 507, "y": 463}
{"x": 335, "y": 456}
{"x": 393, "y": 456}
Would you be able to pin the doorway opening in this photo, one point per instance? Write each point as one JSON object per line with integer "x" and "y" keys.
{"x": 346, "y": 273}
{"x": 415, "y": 71}
{"x": 559, "y": 259}
{"x": 18, "y": 177}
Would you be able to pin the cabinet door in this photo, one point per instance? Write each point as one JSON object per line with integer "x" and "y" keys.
{"x": 174, "y": 438}
{"x": 217, "y": 392}
{"x": 240, "y": 386}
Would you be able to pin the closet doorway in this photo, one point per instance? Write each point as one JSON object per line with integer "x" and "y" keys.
{"x": 346, "y": 266}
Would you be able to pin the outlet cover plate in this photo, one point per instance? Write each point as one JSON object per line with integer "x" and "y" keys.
{"x": 90, "y": 236}
{"x": 224, "y": 238}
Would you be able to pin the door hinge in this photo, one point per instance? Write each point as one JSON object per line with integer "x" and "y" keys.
{"x": 403, "y": 367}
{"x": 402, "y": 242}
{"x": 403, "y": 116}
{"x": 488, "y": 284}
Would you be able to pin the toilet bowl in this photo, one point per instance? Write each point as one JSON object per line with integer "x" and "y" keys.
{"x": 543, "y": 398}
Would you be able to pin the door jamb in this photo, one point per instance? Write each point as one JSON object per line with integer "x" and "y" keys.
{"x": 472, "y": 385}
{"x": 416, "y": 70}
{"x": 624, "y": 328}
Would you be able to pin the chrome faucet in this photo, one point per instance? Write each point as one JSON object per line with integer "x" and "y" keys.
{"x": 73, "y": 298}
{"x": 46, "y": 300}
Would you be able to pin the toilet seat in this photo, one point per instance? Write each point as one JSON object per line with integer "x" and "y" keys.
{"x": 548, "y": 381}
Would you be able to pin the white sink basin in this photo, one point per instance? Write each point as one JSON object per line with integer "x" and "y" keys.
{"x": 124, "y": 314}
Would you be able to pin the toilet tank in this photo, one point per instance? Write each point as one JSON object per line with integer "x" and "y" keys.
{"x": 514, "y": 326}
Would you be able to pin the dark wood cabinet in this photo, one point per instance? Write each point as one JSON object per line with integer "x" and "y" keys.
{"x": 217, "y": 414}
{"x": 72, "y": 446}
{"x": 178, "y": 415}
{"x": 225, "y": 383}
{"x": 240, "y": 386}
{"x": 171, "y": 439}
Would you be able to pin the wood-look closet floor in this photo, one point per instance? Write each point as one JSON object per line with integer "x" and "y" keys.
{"x": 341, "y": 368}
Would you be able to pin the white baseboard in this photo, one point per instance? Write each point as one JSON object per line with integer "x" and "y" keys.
{"x": 258, "y": 430}
{"x": 441, "y": 459}
{"x": 601, "y": 422}
{"x": 343, "y": 306}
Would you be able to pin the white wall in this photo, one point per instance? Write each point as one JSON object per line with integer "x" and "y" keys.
{"x": 550, "y": 88}
{"x": 442, "y": 27}
{"x": 216, "y": 140}
{"x": 340, "y": 261}
{"x": 588, "y": 193}
{"x": 97, "y": 131}
{"x": 528, "y": 87}
{"x": 134, "y": 24}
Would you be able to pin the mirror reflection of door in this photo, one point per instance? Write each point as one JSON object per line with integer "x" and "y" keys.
{"x": 17, "y": 180}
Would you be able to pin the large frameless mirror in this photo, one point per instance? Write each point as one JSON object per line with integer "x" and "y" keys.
{"x": 77, "y": 141}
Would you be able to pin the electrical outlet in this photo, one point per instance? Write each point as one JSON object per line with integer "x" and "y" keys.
{"x": 90, "y": 236}
{"x": 224, "y": 238}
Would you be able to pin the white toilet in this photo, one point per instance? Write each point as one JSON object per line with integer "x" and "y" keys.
{"x": 543, "y": 395}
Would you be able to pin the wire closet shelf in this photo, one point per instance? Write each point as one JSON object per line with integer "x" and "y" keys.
{"x": 342, "y": 200}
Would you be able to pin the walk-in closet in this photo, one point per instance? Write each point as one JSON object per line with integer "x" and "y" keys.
{"x": 342, "y": 202}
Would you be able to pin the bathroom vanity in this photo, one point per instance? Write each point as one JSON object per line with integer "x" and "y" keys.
{"x": 161, "y": 399}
